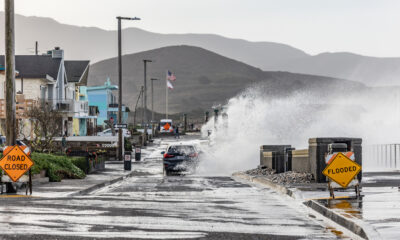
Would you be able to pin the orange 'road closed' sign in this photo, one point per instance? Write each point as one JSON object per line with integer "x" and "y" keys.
{"x": 16, "y": 163}
{"x": 23, "y": 148}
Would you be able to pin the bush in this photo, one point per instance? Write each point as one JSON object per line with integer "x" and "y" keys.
{"x": 57, "y": 167}
{"x": 81, "y": 163}
{"x": 127, "y": 145}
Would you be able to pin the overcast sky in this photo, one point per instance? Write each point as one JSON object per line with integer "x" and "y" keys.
{"x": 368, "y": 27}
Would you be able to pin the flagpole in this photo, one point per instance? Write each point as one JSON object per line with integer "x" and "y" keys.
{"x": 166, "y": 95}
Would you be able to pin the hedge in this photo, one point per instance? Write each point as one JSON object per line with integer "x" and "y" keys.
{"x": 58, "y": 167}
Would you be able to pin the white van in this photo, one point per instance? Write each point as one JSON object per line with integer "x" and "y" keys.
{"x": 166, "y": 126}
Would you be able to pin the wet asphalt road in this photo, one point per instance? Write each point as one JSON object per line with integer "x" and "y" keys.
{"x": 153, "y": 206}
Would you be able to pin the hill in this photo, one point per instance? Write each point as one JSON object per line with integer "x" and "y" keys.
{"x": 204, "y": 78}
{"x": 98, "y": 44}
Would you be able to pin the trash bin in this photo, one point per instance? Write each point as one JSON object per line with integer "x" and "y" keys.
{"x": 127, "y": 161}
{"x": 138, "y": 153}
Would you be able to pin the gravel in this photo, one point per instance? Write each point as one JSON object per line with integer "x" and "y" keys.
{"x": 281, "y": 178}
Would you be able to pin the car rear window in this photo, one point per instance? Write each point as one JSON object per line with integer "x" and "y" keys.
{"x": 181, "y": 149}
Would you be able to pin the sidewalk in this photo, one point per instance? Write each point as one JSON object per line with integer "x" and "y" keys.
{"x": 375, "y": 216}
{"x": 71, "y": 187}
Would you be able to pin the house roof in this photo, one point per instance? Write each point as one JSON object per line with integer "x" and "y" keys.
{"x": 77, "y": 71}
{"x": 107, "y": 85}
{"x": 35, "y": 66}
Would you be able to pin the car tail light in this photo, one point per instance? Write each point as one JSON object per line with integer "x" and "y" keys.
{"x": 193, "y": 155}
{"x": 166, "y": 155}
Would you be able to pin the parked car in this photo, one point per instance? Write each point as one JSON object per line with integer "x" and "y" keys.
{"x": 180, "y": 158}
{"x": 108, "y": 132}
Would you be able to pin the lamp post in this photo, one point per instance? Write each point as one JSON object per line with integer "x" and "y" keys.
{"x": 120, "y": 83}
{"x": 145, "y": 61}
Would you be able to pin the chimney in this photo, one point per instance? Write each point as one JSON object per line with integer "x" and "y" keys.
{"x": 57, "y": 53}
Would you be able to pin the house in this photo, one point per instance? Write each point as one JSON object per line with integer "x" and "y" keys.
{"x": 50, "y": 79}
{"x": 104, "y": 98}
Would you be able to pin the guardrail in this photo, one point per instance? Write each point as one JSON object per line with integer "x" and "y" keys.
{"x": 383, "y": 156}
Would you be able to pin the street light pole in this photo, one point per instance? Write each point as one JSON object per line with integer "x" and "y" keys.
{"x": 145, "y": 61}
{"x": 120, "y": 83}
{"x": 145, "y": 89}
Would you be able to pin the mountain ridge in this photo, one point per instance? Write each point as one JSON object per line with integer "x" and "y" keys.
{"x": 97, "y": 44}
{"x": 204, "y": 78}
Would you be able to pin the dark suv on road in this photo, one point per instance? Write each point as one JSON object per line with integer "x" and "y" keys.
{"x": 180, "y": 158}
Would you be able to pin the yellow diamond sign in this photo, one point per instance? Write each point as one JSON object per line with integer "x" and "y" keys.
{"x": 342, "y": 170}
{"x": 16, "y": 163}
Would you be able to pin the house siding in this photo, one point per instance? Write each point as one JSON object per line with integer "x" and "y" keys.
{"x": 31, "y": 88}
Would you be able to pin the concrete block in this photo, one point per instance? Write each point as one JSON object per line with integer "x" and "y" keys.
{"x": 266, "y": 159}
{"x": 301, "y": 161}
{"x": 318, "y": 147}
{"x": 270, "y": 148}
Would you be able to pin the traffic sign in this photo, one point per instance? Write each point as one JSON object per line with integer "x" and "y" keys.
{"x": 26, "y": 149}
{"x": 16, "y": 163}
{"x": 122, "y": 125}
{"x": 167, "y": 126}
{"x": 342, "y": 170}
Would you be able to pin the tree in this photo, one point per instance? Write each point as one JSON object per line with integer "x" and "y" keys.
{"x": 46, "y": 124}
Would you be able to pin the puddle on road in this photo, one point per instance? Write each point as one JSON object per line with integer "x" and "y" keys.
{"x": 335, "y": 231}
{"x": 351, "y": 208}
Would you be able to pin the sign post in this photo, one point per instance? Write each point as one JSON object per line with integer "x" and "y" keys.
{"x": 15, "y": 163}
{"x": 341, "y": 170}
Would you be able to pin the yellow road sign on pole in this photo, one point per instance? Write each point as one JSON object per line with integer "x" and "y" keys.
{"x": 342, "y": 170}
{"x": 16, "y": 163}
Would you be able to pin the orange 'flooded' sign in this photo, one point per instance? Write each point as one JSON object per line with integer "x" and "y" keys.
{"x": 16, "y": 163}
{"x": 167, "y": 126}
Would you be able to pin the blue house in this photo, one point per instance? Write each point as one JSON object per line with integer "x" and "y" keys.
{"x": 104, "y": 98}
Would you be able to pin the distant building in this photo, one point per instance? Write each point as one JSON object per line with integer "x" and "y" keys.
{"x": 51, "y": 79}
{"x": 104, "y": 98}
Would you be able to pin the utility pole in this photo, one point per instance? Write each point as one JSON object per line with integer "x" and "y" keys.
{"x": 137, "y": 102}
{"x": 120, "y": 83}
{"x": 152, "y": 105}
{"x": 10, "y": 73}
{"x": 145, "y": 61}
{"x": 36, "y": 48}
{"x": 11, "y": 126}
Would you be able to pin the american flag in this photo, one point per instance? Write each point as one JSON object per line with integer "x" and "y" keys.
{"x": 170, "y": 76}
{"x": 169, "y": 85}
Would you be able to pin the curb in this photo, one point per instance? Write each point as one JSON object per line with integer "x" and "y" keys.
{"x": 265, "y": 182}
{"x": 357, "y": 226}
{"x": 101, "y": 185}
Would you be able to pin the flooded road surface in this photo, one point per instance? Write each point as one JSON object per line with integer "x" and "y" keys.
{"x": 153, "y": 206}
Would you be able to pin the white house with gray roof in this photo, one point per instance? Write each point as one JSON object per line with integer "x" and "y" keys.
{"x": 52, "y": 79}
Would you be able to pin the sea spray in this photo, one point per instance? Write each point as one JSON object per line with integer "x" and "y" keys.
{"x": 254, "y": 119}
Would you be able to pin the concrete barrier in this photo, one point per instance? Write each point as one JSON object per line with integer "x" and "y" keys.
{"x": 272, "y": 156}
{"x": 301, "y": 161}
{"x": 266, "y": 159}
{"x": 311, "y": 160}
{"x": 318, "y": 147}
